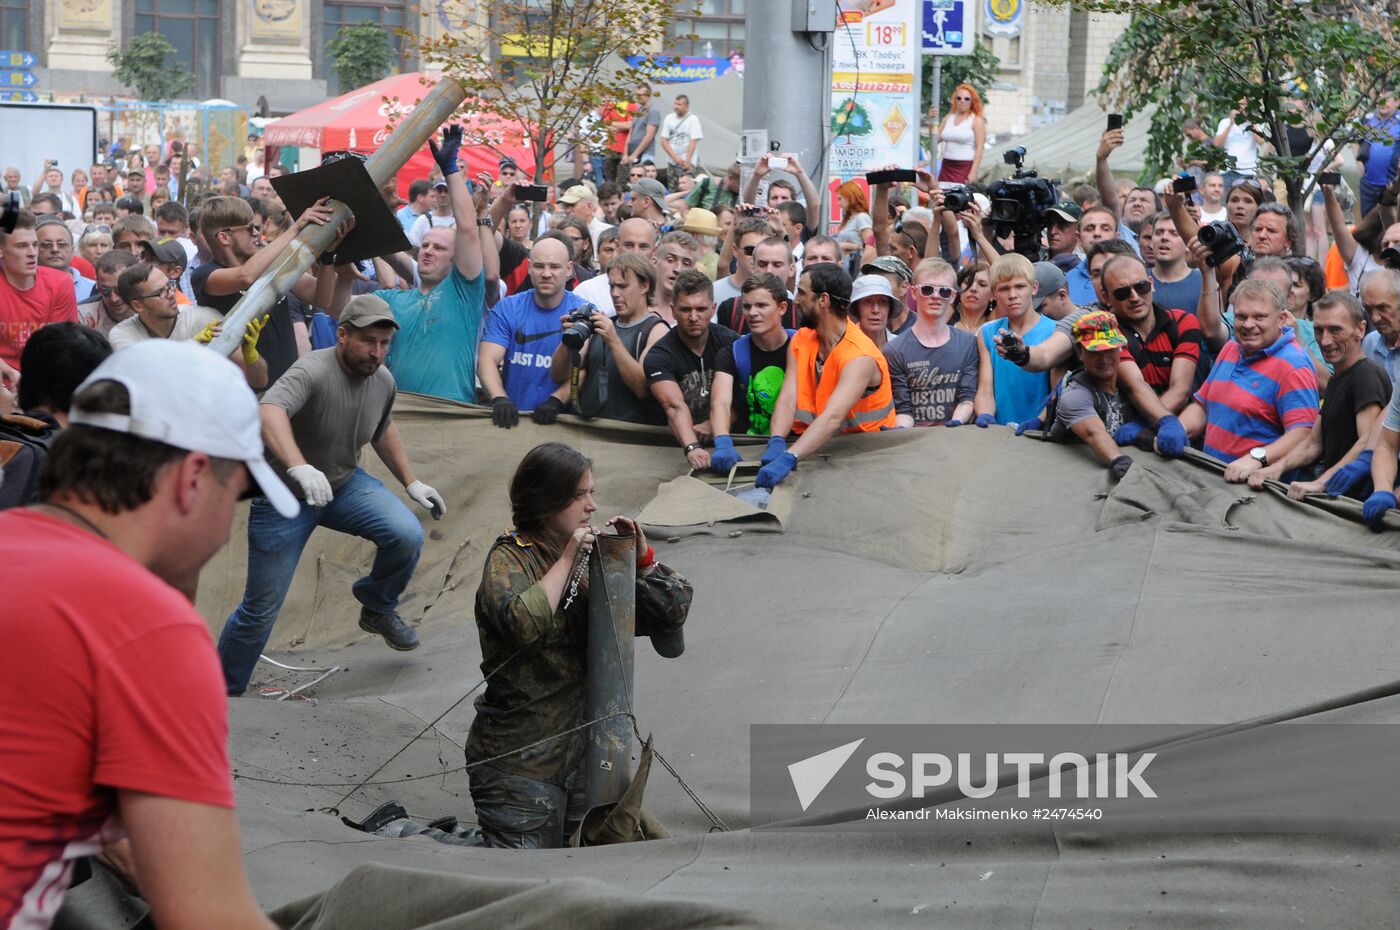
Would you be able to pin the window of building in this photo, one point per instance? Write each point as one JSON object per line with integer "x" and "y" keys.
{"x": 387, "y": 15}
{"x": 192, "y": 26}
{"x": 716, "y": 33}
{"x": 14, "y": 25}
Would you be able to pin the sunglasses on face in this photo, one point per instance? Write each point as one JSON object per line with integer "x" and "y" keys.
{"x": 1141, "y": 288}
{"x": 97, "y": 228}
{"x": 942, "y": 291}
{"x": 749, "y": 250}
{"x": 252, "y": 228}
{"x": 105, "y": 290}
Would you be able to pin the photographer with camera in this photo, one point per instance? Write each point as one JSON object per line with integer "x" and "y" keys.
{"x": 522, "y": 332}
{"x": 606, "y": 352}
{"x": 1361, "y": 248}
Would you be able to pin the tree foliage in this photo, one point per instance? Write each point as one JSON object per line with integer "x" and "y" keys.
{"x": 978, "y": 69}
{"x": 1294, "y": 63}
{"x": 543, "y": 65}
{"x": 141, "y": 65}
{"x": 361, "y": 54}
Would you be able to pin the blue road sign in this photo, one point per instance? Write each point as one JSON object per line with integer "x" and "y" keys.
{"x": 10, "y": 59}
{"x": 947, "y": 28}
{"x": 11, "y": 79}
{"x": 18, "y": 96}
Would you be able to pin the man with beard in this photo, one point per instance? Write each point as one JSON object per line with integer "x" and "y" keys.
{"x": 680, "y": 368}
{"x": 316, "y": 420}
{"x": 836, "y": 380}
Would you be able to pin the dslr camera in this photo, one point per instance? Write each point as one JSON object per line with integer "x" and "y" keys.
{"x": 957, "y": 199}
{"x": 1390, "y": 258}
{"x": 9, "y": 212}
{"x": 1223, "y": 241}
{"x": 579, "y": 326}
{"x": 1019, "y": 204}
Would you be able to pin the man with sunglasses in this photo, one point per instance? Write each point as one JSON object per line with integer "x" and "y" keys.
{"x": 1166, "y": 344}
{"x": 239, "y": 257}
{"x": 105, "y": 309}
{"x": 933, "y": 367}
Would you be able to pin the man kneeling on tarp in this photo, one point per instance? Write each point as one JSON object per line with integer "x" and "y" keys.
{"x": 527, "y": 742}
{"x": 1089, "y": 406}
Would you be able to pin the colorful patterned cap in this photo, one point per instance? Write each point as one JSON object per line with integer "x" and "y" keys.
{"x": 1098, "y": 332}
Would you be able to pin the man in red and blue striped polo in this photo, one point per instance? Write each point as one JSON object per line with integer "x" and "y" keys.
{"x": 1260, "y": 399}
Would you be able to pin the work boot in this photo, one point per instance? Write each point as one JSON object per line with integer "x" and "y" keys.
{"x": 390, "y": 625}
{"x": 380, "y": 817}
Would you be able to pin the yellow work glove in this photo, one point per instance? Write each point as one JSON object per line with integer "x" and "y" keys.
{"x": 250, "y": 341}
{"x": 207, "y": 334}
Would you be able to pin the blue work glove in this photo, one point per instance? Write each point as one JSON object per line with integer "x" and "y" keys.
{"x": 954, "y": 422}
{"x": 985, "y": 420}
{"x": 1171, "y": 437}
{"x": 1032, "y": 423}
{"x": 777, "y": 445}
{"x": 1349, "y": 475}
{"x": 1375, "y": 507}
{"x": 446, "y": 154}
{"x": 725, "y": 456}
{"x": 1120, "y": 466}
{"x": 1128, "y": 433}
{"x": 772, "y": 474}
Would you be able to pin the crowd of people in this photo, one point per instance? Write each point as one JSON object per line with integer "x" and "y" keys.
{"x": 653, "y": 295}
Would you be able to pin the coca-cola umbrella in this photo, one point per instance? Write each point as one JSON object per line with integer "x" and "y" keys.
{"x": 360, "y": 120}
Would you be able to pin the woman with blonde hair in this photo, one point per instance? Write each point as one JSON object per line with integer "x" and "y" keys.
{"x": 963, "y": 134}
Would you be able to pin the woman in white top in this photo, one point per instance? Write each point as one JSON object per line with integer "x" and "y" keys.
{"x": 962, "y": 134}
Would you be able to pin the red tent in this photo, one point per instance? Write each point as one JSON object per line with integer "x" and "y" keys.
{"x": 359, "y": 121}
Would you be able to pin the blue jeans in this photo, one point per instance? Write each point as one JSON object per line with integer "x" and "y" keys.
{"x": 361, "y": 507}
{"x": 597, "y": 164}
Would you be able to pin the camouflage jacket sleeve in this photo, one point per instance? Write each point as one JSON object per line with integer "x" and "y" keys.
{"x": 512, "y": 600}
{"x": 663, "y": 601}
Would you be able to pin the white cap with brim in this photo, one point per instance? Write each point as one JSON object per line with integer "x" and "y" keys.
{"x": 186, "y": 396}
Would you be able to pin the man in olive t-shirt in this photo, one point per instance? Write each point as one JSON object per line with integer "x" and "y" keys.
{"x": 316, "y": 419}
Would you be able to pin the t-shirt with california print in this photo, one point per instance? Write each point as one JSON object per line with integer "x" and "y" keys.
{"x": 929, "y": 383}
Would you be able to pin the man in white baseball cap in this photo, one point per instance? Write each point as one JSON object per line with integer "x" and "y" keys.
{"x": 137, "y": 494}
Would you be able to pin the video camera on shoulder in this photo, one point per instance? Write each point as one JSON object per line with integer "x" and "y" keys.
{"x": 579, "y": 327}
{"x": 1019, "y": 204}
{"x": 1223, "y": 241}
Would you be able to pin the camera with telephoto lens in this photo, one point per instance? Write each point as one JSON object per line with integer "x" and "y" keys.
{"x": 579, "y": 326}
{"x": 1390, "y": 258}
{"x": 1223, "y": 241}
{"x": 957, "y": 199}
{"x": 1019, "y": 204}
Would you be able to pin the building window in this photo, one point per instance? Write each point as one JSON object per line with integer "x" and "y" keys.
{"x": 717, "y": 33}
{"x": 14, "y": 25}
{"x": 192, "y": 26}
{"x": 388, "y": 16}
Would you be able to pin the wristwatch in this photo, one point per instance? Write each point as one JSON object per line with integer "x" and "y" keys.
{"x": 484, "y": 221}
{"x": 1260, "y": 455}
{"x": 690, "y": 447}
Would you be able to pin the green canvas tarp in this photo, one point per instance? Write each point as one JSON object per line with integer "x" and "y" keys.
{"x": 920, "y": 576}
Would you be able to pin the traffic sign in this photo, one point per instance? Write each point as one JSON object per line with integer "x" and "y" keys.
{"x": 947, "y": 28}
{"x": 18, "y": 96}
{"x": 17, "y": 59}
{"x": 12, "y": 78}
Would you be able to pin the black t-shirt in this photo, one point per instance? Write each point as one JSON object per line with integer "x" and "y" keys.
{"x": 759, "y": 393}
{"x": 671, "y": 360}
{"x": 730, "y": 315}
{"x": 1361, "y": 385}
{"x": 277, "y": 343}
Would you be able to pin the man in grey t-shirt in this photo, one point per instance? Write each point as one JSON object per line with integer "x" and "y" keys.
{"x": 933, "y": 367}
{"x": 316, "y": 419}
{"x": 641, "y": 138}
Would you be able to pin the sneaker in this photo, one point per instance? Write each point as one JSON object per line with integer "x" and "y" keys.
{"x": 396, "y": 633}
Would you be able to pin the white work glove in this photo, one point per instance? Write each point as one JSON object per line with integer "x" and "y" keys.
{"x": 314, "y": 485}
{"x": 428, "y": 498}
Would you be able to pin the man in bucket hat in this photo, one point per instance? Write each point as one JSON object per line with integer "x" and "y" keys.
{"x": 138, "y": 493}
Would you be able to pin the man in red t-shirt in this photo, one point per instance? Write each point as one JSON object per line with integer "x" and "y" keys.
{"x": 91, "y": 749}
{"x": 31, "y": 296}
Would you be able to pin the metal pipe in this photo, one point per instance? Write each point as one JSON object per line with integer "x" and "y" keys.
{"x": 398, "y": 148}
{"x": 612, "y": 622}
